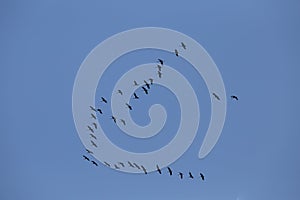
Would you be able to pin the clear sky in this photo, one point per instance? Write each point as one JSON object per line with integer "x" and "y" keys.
{"x": 255, "y": 45}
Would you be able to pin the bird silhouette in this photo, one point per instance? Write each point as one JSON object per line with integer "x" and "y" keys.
{"x": 93, "y": 136}
{"x": 95, "y": 125}
{"x": 103, "y": 100}
{"x": 159, "y": 171}
{"x": 136, "y": 166}
{"x": 183, "y": 45}
{"x": 94, "y": 163}
{"x": 151, "y": 80}
{"x": 93, "y": 109}
{"x": 123, "y": 122}
{"x": 159, "y": 74}
{"x": 135, "y": 83}
{"x": 176, "y": 52}
{"x": 114, "y": 119}
{"x": 116, "y": 166}
{"x": 180, "y": 175}
{"x": 216, "y": 96}
{"x": 122, "y": 164}
{"x": 86, "y": 158}
{"x": 159, "y": 67}
{"x": 120, "y": 92}
{"x": 93, "y": 116}
{"x": 135, "y": 96}
{"x": 90, "y": 128}
{"x": 144, "y": 169}
{"x": 145, "y": 90}
{"x": 89, "y": 151}
{"x": 170, "y": 171}
{"x": 108, "y": 165}
{"x": 147, "y": 84}
{"x": 191, "y": 175}
{"x": 234, "y": 97}
{"x": 161, "y": 61}
{"x": 130, "y": 164}
{"x": 129, "y": 106}
{"x": 94, "y": 144}
{"x": 202, "y": 176}
{"x": 100, "y": 111}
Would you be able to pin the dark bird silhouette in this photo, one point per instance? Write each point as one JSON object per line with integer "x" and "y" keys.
{"x": 135, "y": 83}
{"x": 122, "y": 164}
{"x": 216, "y": 96}
{"x": 159, "y": 67}
{"x": 145, "y": 90}
{"x": 120, "y": 92}
{"x": 129, "y": 106}
{"x": 123, "y": 122}
{"x": 159, "y": 171}
{"x": 159, "y": 74}
{"x": 94, "y": 144}
{"x": 191, "y": 175}
{"x": 202, "y": 176}
{"x": 116, "y": 166}
{"x": 135, "y": 96}
{"x": 147, "y": 84}
{"x": 176, "y": 52}
{"x": 180, "y": 175}
{"x": 90, "y": 128}
{"x": 161, "y": 61}
{"x": 100, "y": 111}
{"x": 93, "y": 109}
{"x": 89, "y": 151}
{"x": 114, "y": 119}
{"x": 183, "y": 45}
{"x": 170, "y": 171}
{"x": 234, "y": 97}
{"x": 103, "y": 100}
{"x": 95, "y": 125}
{"x": 94, "y": 163}
{"x": 130, "y": 164}
{"x": 86, "y": 158}
{"x": 151, "y": 80}
{"x": 93, "y": 136}
{"x": 93, "y": 116}
{"x": 144, "y": 169}
{"x": 108, "y": 165}
{"x": 136, "y": 166}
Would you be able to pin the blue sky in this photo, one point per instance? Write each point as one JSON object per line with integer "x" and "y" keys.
{"x": 255, "y": 45}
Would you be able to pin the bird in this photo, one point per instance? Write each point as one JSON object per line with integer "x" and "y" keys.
{"x": 122, "y": 164}
{"x": 136, "y": 166}
{"x": 202, "y": 176}
{"x": 86, "y": 158}
{"x": 94, "y": 163}
{"x": 108, "y": 165}
{"x": 95, "y": 125}
{"x": 116, "y": 166}
{"x": 93, "y": 116}
{"x": 135, "y": 83}
{"x": 93, "y": 109}
{"x": 145, "y": 90}
{"x": 180, "y": 175}
{"x": 90, "y": 128}
{"x": 120, "y": 92}
{"x": 114, "y": 119}
{"x": 183, "y": 45}
{"x": 176, "y": 52}
{"x": 93, "y": 136}
{"x": 159, "y": 171}
{"x": 144, "y": 169}
{"x": 216, "y": 96}
{"x": 100, "y": 111}
{"x": 135, "y": 96}
{"x": 147, "y": 84}
{"x": 159, "y": 74}
{"x": 103, "y": 100}
{"x": 129, "y": 106}
{"x": 151, "y": 80}
{"x": 161, "y": 61}
{"x": 130, "y": 164}
{"x": 94, "y": 144}
{"x": 123, "y": 122}
{"x": 191, "y": 175}
{"x": 159, "y": 67}
{"x": 89, "y": 151}
{"x": 170, "y": 171}
{"x": 234, "y": 97}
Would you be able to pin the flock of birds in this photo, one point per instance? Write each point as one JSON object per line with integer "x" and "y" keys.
{"x": 146, "y": 87}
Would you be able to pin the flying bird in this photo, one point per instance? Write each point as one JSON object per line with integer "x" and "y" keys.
{"x": 94, "y": 144}
{"x": 183, "y": 45}
{"x": 135, "y": 96}
{"x": 90, "y": 128}
{"x": 129, "y": 106}
{"x": 159, "y": 171}
{"x": 147, "y": 84}
{"x": 176, "y": 52}
{"x": 234, "y": 97}
{"x": 144, "y": 169}
{"x": 93, "y": 136}
{"x": 86, "y": 158}
{"x": 191, "y": 175}
{"x": 159, "y": 67}
{"x": 93, "y": 116}
{"x": 103, "y": 100}
{"x": 180, "y": 175}
{"x": 161, "y": 61}
{"x": 93, "y": 109}
{"x": 94, "y": 163}
{"x": 114, "y": 119}
{"x": 89, "y": 151}
{"x": 120, "y": 92}
{"x": 130, "y": 164}
{"x": 159, "y": 74}
{"x": 202, "y": 176}
{"x": 151, "y": 80}
{"x": 136, "y": 166}
{"x": 122, "y": 164}
{"x": 123, "y": 122}
{"x": 170, "y": 171}
{"x": 116, "y": 166}
{"x": 135, "y": 83}
{"x": 216, "y": 96}
{"x": 145, "y": 90}
{"x": 100, "y": 111}
{"x": 95, "y": 125}
{"x": 108, "y": 165}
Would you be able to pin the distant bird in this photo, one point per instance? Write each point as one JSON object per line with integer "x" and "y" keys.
{"x": 145, "y": 90}
{"x": 86, "y": 158}
{"x": 94, "y": 163}
{"x": 159, "y": 74}
{"x": 191, "y": 175}
{"x": 95, "y": 125}
{"x": 147, "y": 84}
{"x": 144, "y": 169}
{"x": 93, "y": 109}
{"x": 202, "y": 176}
{"x": 180, "y": 175}
{"x": 136, "y": 166}
{"x": 129, "y": 106}
{"x": 103, "y": 100}
{"x": 93, "y": 136}
{"x": 159, "y": 67}
{"x": 90, "y": 128}
{"x": 151, "y": 80}
{"x": 94, "y": 144}
{"x": 114, "y": 119}
{"x": 122, "y": 164}
{"x": 170, "y": 171}
{"x": 183, "y": 45}
{"x": 130, "y": 164}
{"x": 123, "y": 122}
{"x": 100, "y": 111}
{"x": 116, "y": 166}
{"x": 135, "y": 96}
{"x": 89, "y": 151}
{"x": 161, "y": 61}
{"x": 176, "y": 52}
{"x": 216, "y": 96}
{"x": 159, "y": 171}
{"x": 135, "y": 83}
{"x": 234, "y": 97}
{"x": 120, "y": 92}
{"x": 93, "y": 116}
{"x": 108, "y": 165}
